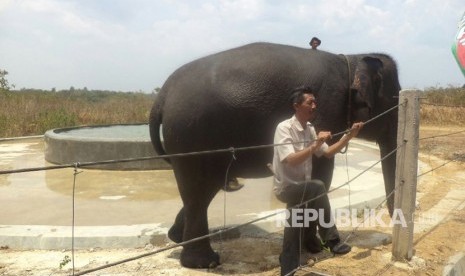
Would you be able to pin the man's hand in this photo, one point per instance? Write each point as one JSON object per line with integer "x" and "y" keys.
{"x": 299, "y": 157}
{"x": 339, "y": 145}
{"x": 356, "y": 127}
{"x": 323, "y": 136}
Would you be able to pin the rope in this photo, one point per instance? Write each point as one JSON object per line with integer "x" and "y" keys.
{"x": 378, "y": 206}
{"x": 220, "y": 232}
{"x": 233, "y": 158}
{"x": 347, "y": 183}
{"x": 349, "y": 104}
{"x": 363, "y": 221}
{"x": 348, "y": 178}
{"x": 443, "y": 105}
{"x": 20, "y": 138}
{"x": 295, "y": 270}
{"x": 87, "y": 164}
{"x": 73, "y": 213}
{"x": 438, "y": 167}
{"x": 442, "y": 135}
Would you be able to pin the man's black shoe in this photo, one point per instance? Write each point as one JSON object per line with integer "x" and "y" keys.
{"x": 337, "y": 247}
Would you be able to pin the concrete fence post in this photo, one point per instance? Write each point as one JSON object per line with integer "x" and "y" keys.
{"x": 406, "y": 174}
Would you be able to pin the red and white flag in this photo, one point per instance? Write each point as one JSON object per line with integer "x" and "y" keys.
{"x": 458, "y": 47}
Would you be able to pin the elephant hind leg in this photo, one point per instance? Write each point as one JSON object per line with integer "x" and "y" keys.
{"x": 192, "y": 256}
{"x": 198, "y": 254}
{"x": 199, "y": 258}
{"x": 198, "y": 183}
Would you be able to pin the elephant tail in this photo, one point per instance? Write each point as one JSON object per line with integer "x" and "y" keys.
{"x": 155, "y": 123}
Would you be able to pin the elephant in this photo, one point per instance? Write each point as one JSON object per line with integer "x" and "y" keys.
{"x": 235, "y": 99}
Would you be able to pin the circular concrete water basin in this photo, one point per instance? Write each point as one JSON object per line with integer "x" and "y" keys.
{"x": 103, "y": 143}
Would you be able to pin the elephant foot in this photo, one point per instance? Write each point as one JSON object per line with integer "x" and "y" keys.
{"x": 233, "y": 185}
{"x": 175, "y": 234}
{"x": 195, "y": 258}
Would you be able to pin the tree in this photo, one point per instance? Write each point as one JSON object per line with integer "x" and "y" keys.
{"x": 156, "y": 90}
{"x": 4, "y": 85}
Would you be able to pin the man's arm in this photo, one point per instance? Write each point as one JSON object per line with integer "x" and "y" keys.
{"x": 339, "y": 145}
{"x": 299, "y": 157}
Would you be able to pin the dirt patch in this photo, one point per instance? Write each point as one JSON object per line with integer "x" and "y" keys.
{"x": 440, "y": 199}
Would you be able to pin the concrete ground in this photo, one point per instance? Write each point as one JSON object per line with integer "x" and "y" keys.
{"x": 114, "y": 209}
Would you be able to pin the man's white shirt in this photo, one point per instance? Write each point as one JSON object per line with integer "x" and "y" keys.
{"x": 295, "y": 138}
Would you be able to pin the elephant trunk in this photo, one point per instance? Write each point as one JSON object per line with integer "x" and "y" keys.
{"x": 387, "y": 144}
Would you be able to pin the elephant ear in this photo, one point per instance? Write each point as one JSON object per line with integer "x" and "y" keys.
{"x": 367, "y": 82}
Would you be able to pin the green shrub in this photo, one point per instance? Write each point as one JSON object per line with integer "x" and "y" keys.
{"x": 55, "y": 118}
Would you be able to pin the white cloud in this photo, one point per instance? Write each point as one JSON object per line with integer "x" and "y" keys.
{"x": 132, "y": 45}
{"x": 4, "y": 4}
{"x": 65, "y": 17}
{"x": 241, "y": 9}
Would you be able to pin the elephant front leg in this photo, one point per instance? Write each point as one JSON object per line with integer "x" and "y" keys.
{"x": 198, "y": 254}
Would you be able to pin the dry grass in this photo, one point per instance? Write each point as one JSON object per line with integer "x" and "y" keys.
{"x": 442, "y": 115}
{"x": 34, "y": 112}
{"x": 443, "y": 106}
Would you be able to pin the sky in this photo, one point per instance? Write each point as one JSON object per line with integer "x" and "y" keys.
{"x": 134, "y": 45}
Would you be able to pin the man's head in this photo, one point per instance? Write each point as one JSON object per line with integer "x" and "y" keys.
{"x": 304, "y": 103}
{"x": 315, "y": 42}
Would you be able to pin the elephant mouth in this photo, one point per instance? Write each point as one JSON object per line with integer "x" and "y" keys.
{"x": 361, "y": 113}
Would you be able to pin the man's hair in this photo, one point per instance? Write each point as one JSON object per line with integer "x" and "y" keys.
{"x": 315, "y": 39}
{"x": 297, "y": 96}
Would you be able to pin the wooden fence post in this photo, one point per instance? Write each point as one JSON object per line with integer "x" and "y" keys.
{"x": 406, "y": 174}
